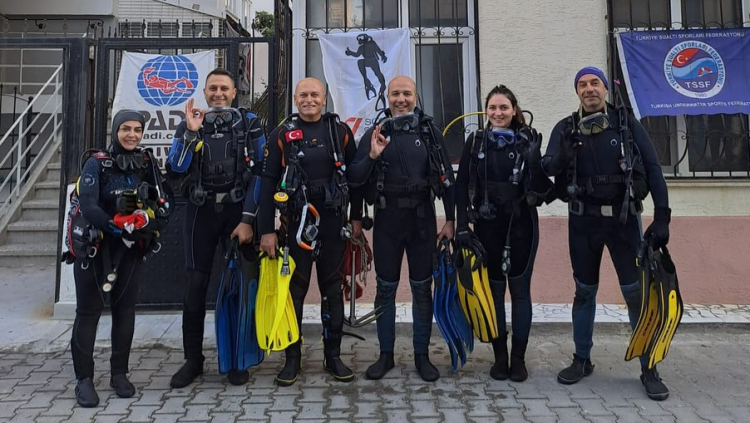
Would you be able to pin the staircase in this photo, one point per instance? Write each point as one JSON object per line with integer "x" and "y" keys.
{"x": 31, "y": 237}
{"x": 30, "y": 179}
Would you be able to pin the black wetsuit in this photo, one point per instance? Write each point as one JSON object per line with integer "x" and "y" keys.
{"x": 492, "y": 169}
{"x": 214, "y": 169}
{"x": 100, "y": 184}
{"x": 315, "y": 153}
{"x": 404, "y": 221}
{"x": 598, "y": 174}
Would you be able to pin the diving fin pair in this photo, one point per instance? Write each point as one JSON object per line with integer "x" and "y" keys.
{"x": 275, "y": 317}
{"x": 236, "y": 343}
{"x": 661, "y": 305}
{"x": 475, "y": 296}
{"x": 448, "y": 315}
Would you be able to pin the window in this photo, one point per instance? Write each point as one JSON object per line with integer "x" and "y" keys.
{"x": 718, "y": 143}
{"x": 434, "y": 13}
{"x": 641, "y": 13}
{"x": 444, "y": 64}
{"x": 197, "y": 29}
{"x": 352, "y": 14}
{"x": 162, "y": 29}
{"x": 690, "y": 146}
{"x": 132, "y": 29}
{"x": 441, "y": 88}
{"x": 712, "y": 13}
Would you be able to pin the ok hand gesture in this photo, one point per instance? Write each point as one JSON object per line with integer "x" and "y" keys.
{"x": 193, "y": 116}
{"x": 378, "y": 143}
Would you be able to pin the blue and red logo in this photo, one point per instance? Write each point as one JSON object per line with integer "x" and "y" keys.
{"x": 167, "y": 80}
{"x": 695, "y": 69}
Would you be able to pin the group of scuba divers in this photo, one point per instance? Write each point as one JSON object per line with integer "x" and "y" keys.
{"x": 309, "y": 169}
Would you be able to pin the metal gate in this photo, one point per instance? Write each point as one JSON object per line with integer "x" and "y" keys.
{"x": 91, "y": 64}
{"x": 162, "y": 278}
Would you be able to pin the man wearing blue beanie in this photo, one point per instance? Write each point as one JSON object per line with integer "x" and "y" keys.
{"x": 604, "y": 165}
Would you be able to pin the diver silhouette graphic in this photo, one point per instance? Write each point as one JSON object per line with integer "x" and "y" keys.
{"x": 371, "y": 54}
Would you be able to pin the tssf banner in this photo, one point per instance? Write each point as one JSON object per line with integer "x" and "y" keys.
{"x": 358, "y": 67}
{"x": 689, "y": 72}
{"x": 158, "y": 86}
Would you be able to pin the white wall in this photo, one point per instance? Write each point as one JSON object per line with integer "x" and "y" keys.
{"x": 58, "y": 7}
{"x": 170, "y": 9}
{"x": 536, "y": 47}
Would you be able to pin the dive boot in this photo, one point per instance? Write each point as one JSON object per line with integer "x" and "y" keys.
{"x": 86, "y": 394}
{"x": 238, "y": 377}
{"x": 499, "y": 370}
{"x": 332, "y": 361}
{"x": 378, "y": 369}
{"x": 518, "y": 372}
{"x": 187, "y": 373}
{"x": 121, "y": 384}
{"x": 580, "y": 368}
{"x": 655, "y": 388}
{"x": 288, "y": 375}
{"x": 426, "y": 370}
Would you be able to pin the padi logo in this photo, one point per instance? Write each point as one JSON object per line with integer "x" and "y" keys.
{"x": 167, "y": 80}
{"x": 695, "y": 69}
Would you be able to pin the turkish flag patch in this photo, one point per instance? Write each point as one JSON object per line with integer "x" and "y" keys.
{"x": 295, "y": 135}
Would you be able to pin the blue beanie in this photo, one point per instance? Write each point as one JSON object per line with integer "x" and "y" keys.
{"x": 590, "y": 70}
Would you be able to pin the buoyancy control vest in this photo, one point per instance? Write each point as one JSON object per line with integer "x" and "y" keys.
{"x": 296, "y": 187}
{"x": 439, "y": 175}
{"x": 226, "y": 156}
{"x": 495, "y": 178}
{"x": 608, "y": 170}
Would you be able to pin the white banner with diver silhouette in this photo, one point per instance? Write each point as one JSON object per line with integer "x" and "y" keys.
{"x": 358, "y": 66}
{"x": 158, "y": 86}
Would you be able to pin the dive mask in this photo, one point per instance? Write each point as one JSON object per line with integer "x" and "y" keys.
{"x": 500, "y": 137}
{"x": 219, "y": 116}
{"x": 593, "y": 124}
{"x": 403, "y": 123}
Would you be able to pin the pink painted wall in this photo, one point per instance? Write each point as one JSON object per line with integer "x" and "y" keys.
{"x": 712, "y": 255}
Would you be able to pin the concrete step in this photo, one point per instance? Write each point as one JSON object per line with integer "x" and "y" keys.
{"x": 40, "y": 210}
{"x": 14, "y": 255}
{"x": 53, "y": 172}
{"x": 33, "y": 232}
{"x": 47, "y": 190}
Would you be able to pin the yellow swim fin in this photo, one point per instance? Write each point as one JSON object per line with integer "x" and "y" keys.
{"x": 643, "y": 335}
{"x": 665, "y": 277}
{"x": 475, "y": 297}
{"x": 274, "y": 305}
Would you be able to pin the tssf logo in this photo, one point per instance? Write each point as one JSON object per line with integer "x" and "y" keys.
{"x": 695, "y": 69}
{"x": 167, "y": 80}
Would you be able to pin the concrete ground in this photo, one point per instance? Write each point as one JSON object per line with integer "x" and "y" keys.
{"x": 706, "y": 371}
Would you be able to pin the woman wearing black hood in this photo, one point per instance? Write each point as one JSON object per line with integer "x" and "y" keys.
{"x": 111, "y": 185}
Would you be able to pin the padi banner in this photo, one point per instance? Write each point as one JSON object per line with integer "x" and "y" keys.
{"x": 358, "y": 66}
{"x": 690, "y": 72}
{"x": 158, "y": 86}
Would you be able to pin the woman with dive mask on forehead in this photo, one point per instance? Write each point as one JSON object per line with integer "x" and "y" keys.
{"x": 500, "y": 183}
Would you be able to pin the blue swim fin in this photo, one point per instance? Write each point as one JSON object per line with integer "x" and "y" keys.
{"x": 227, "y": 314}
{"x": 249, "y": 352}
{"x": 438, "y": 303}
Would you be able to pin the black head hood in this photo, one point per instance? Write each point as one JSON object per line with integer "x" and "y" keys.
{"x": 121, "y": 117}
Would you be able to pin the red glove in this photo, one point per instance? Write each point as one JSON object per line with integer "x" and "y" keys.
{"x": 130, "y": 222}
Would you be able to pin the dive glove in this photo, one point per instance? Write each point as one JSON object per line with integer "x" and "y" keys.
{"x": 658, "y": 231}
{"x": 465, "y": 238}
{"x": 529, "y": 144}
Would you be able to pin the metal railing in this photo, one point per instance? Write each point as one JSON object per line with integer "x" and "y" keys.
{"x": 18, "y": 154}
